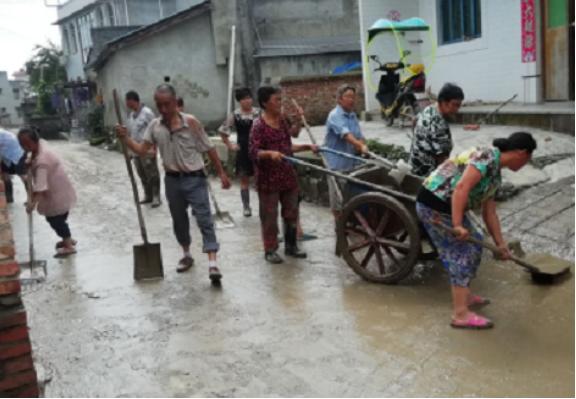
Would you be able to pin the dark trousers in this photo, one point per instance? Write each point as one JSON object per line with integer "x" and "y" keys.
{"x": 60, "y": 225}
{"x": 147, "y": 168}
{"x": 269, "y": 201}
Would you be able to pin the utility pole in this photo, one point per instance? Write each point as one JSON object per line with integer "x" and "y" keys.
{"x": 250, "y": 66}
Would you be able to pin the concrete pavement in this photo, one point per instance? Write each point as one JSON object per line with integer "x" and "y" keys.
{"x": 304, "y": 328}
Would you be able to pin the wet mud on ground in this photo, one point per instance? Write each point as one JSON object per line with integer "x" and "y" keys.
{"x": 304, "y": 328}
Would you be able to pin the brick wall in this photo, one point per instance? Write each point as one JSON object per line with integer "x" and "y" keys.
{"x": 317, "y": 94}
{"x": 17, "y": 374}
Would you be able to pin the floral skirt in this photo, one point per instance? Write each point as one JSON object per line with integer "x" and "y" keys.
{"x": 460, "y": 258}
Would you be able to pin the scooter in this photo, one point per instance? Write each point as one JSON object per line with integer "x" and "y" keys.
{"x": 398, "y": 97}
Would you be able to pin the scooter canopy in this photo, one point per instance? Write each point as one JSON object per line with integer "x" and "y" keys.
{"x": 386, "y": 25}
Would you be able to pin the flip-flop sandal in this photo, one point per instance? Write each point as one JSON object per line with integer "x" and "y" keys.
{"x": 64, "y": 253}
{"x": 478, "y": 300}
{"x": 474, "y": 322}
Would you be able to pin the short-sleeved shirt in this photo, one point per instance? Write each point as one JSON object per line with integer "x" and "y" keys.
{"x": 181, "y": 149}
{"x": 10, "y": 150}
{"x": 444, "y": 179}
{"x": 241, "y": 123}
{"x": 50, "y": 179}
{"x": 272, "y": 176}
{"x": 432, "y": 138}
{"x": 138, "y": 122}
{"x": 339, "y": 124}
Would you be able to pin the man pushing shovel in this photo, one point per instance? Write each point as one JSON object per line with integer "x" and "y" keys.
{"x": 181, "y": 141}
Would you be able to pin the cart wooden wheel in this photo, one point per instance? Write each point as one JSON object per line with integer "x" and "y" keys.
{"x": 378, "y": 238}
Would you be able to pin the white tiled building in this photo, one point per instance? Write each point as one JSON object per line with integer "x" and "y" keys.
{"x": 480, "y": 46}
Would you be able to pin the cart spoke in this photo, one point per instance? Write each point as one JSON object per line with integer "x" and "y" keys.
{"x": 367, "y": 257}
{"x": 379, "y": 257}
{"x": 359, "y": 245}
{"x": 394, "y": 244}
{"x": 364, "y": 223}
{"x": 382, "y": 223}
{"x": 353, "y": 230}
{"x": 392, "y": 256}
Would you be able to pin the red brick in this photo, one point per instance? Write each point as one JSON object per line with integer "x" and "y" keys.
{"x": 8, "y": 250}
{"x": 11, "y": 334}
{"x": 9, "y": 287}
{"x": 16, "y": 317}
{"x": 27, "y": 391}
{"x": 10, "y": 302}
{"x": 15, "y": 349}
{"x": 9, "y": 269}
{"x": 17, "y": 364}
{"x": 13, "y": 381}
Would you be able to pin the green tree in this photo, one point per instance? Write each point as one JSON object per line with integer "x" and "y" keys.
{"x": 46, "y": 72}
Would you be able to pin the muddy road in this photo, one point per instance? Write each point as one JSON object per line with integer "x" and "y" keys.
{"x": 304, "y": 328}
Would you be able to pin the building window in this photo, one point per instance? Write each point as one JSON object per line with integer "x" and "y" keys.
{"x": 3, "y": 110}
{"x": 99, "y": 17}
{"x": 16, "y": 93}
{"x": 66, "y": 40}
{"x": 73, "y": 42}
{"x": 0, "y": 91}
{"x": 459, "y": 20}
{"x": 19, "y": 112}
{"x": 110, "y": 14}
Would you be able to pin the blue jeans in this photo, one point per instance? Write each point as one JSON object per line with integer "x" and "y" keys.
{"x": 185, "y": 191}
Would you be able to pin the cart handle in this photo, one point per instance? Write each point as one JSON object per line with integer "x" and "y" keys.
{"x": 343, "y": 154}
{"x": 351, "y": 179}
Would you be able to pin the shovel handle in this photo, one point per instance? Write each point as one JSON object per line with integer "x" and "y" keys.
{"x": 491, "y": 247}
{"x": 130, "y": 171}
{"x": 337, "y": 187}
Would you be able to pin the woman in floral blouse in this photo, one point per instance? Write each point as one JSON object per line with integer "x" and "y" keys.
{"x": 276, "y": 180}
{"x": 469, "y": 181}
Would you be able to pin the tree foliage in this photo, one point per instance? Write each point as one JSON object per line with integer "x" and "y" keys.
{"x": 45, "y": 71}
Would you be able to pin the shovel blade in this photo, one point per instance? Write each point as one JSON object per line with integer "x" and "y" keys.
{"x": 148, "y": 262}
{"x": 224, "y": 220}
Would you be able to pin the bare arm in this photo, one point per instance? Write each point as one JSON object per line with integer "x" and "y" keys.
{"x": 492, "y": 222}
{"x": 359, "y": 144}
{"x": 138, "y": 148}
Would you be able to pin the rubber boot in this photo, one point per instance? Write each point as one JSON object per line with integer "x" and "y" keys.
{"x": 291, "y": 242}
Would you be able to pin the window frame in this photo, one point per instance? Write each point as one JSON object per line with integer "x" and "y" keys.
{"x": 474, "y": 25}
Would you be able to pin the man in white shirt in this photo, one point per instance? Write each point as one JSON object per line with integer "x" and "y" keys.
{"x": 146, "y": 165}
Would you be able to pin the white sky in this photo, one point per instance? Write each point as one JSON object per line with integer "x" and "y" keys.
{"x": 23, "y": 24}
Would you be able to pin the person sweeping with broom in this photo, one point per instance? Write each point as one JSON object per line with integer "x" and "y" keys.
{"x": 468, "y": 181}
{"x": 53, "y": 194}
{"x": 181, "y": 141}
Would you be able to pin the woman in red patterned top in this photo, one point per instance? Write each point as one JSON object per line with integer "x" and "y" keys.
{"x": 276, "y": 179}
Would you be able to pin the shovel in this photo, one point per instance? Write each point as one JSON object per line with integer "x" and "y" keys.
{"x": 540, "y": 275}
{"x": 147, "y": 256}
{"x": 32, "y": 264}
{"x": 222, "y": 219}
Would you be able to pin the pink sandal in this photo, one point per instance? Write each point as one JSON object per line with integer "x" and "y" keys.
{"x": 473, "y": 322}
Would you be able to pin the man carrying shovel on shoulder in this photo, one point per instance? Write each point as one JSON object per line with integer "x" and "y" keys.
{"x": 181, "y": 141}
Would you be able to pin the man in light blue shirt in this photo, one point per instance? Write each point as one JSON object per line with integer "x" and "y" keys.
{"x": 343, "y": 134}
{"x": 13, "y": 161}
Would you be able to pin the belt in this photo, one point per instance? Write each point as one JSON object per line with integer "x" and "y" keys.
{"x": 195, "y": 173}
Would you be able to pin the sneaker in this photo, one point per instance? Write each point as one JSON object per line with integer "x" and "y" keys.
{"x": 273, "y": 257}
{"x": 247, "y": 212}
{"x": 185, "y": 264}
{"x": 215, "y": 275}
{"x": 145, "y": 201}
{"x": 60, "y": 244}
{"x": 64, "y": 252}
